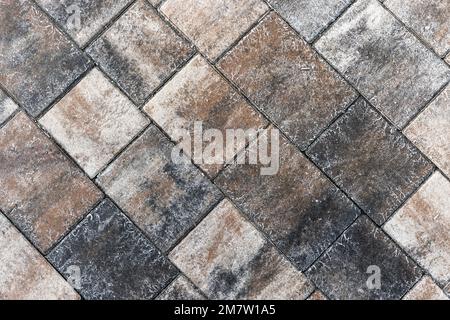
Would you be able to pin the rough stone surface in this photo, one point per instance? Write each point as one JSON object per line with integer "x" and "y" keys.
{"x": 371, "y": 161}
{"x": 430, "y": 131}
{"x": 426, "y": 289}
{"x": 24, "y": 273}
{"x": 198, "y": 93}
{"x": 310, "y": 17}
{"x": 93, "y": 122}
{"x": 298, "y": 208}
{"x": 7, "y": 107}
{"x": 163, "y": 198}
{"x": 344, "y": 271}
{"x": 181, "y": 289}
{"x": 35, "y": 55}
{"x": 42, "y": 192}
{"x": 217, "y": 23}
{"x": 383, "y": 60}
{"x": 317, "y": 295}
{"x": 422, "y": 227}
{"x": 429, "y": 19}
{"x": 140, "y": 51}
{"x": 114, "y": 259}
{"x": 227, "y": 258}
{"x": 83, "y": 19}
{"x": 286, "y": 79}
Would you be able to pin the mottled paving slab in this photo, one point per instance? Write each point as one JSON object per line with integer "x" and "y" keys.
{"x": 227, "y": 258}
{"x": 422, "y": 227}
{"x": 298, "y": 208}
{"x": 42, "y": 192}
{"x": 24, "y": 273}
{"x": 140, "y": 51}
{"x": 344, "y": 271}
{"x": 213, "y": 25}
{"x": 426, "y": 289}
{"x": 448, "y": 59}
{"x": 199, "y": 93}
{"x": 181, "y": 289}
{"x": 93, "y": 122}
{"x": 429, "y": 19}
{"x": 383, "y": 60}
{"x": 114, "y": 259}
{"x": 286, "y": 79}
{"x": 83, "y": 19}
{"x": 430, "y": 131}
{"x": 370, "y": 160}
{"x": 7, "y": 107}
{"x": 36, "y": 56}
{"x": 165, "y": 199}
{"x": 310, "y": 17}
{"x": 317, "y": 295}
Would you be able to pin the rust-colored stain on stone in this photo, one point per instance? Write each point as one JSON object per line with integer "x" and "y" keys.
{"x": 426, "y": 289}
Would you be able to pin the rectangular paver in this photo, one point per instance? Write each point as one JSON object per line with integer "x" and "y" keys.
{"x": 383, "y": 60}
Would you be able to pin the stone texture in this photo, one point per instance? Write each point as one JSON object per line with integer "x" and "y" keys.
{"x": 300, "y": 210}
{"x": 93, "y": 16}
{"x": 422, "y": 227}
{"x": 317, "y": 295}
{"x": 35, "y": 55}
{"x": 140, "y": 51}
{"x": 24, "y": 273}
{"x": 93, "y": 122}
{"x": 114, "y": 258}
{"x": 214, "y": 25}
{"x": 383, "y": 60}
{"x": 199, "y": 93}
{"x": 370, "y": 160}
{"x": 227, "y": 258}
{"x": 7, "y": 107}
{"x": 181, "y": 289}
{"x": 430, "y": 131}
{"x": 163, "y": 198}
{"x": 42, "y": 192}
{"x": 310, "y": 17}
{"x": 287, "y": 80}
{"x": 426, "y": 289}
{"x": 343, "y": 272}
{"x": 430, "y": 20}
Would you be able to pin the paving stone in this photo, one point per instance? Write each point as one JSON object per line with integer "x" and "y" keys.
{"x": 24, "y": 273}
{"x": 7, "y": 107}
{"x": 426, "y": 289}
{"x": 140, "y": 51}
{"x": 36, "y": 56}
{"x": 383, "y": 60}
{"x": 448, "y": 59}
{"x": 310, "y": 17}
{"x": 114, "y": 259}
{"x": 430, "y": 20}
{"x": 227, "y": 258}
{"x": 430, "y": 131}
{"x": 214, "y": 25}
{"x": 300, "y": 210}
{"x": 83, "y": 19}
{"x": 345, "y": 270}
{"x": 181, "y": 289}
{"x": 94, "y": 122}
{"x": 317, "y": 295}
{"x": 422, "y": 227}
{"x": 198, "y": 93}
{"x": 286, "y": 79}
{"x": 42, "y": 192}
{"x": 163, "y": 198}
{"x": 370, "y": 160}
